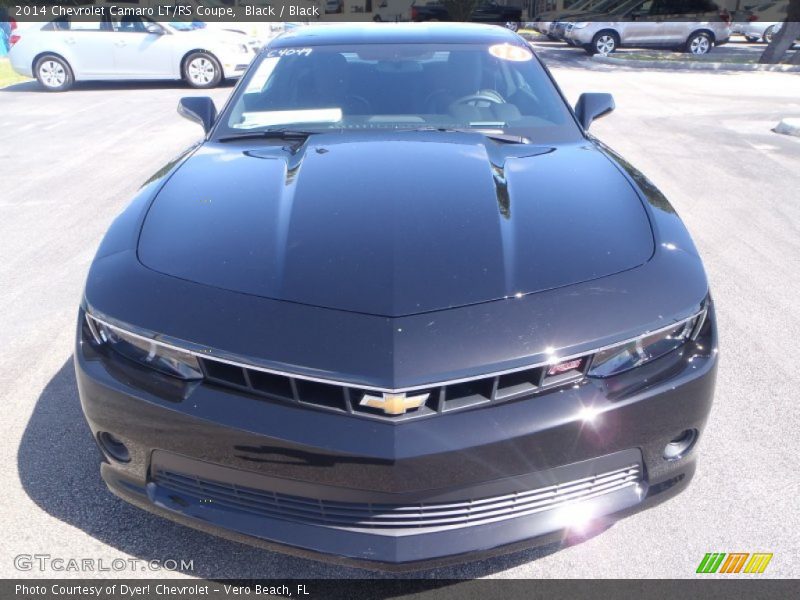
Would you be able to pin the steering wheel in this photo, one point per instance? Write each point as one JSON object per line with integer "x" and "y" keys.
{"x": 485, "y": 96}
{"x": 353, "y": 100}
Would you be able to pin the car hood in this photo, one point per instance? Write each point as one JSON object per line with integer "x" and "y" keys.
{"x": 585, "y": 16}
{"x": 215, "y": 35}
{"x": 394, "y": 225}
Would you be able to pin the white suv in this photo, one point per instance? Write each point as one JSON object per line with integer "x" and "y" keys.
{"x": 695, "y": 26}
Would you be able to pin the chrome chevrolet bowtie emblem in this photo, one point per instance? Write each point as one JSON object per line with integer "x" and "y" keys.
{"x": 394, "y": 404}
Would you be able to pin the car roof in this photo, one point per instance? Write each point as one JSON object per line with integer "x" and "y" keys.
{"x": 395, "y": 33}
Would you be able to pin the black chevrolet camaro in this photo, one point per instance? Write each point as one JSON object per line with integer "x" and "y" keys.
{"x": 398, "y": 308}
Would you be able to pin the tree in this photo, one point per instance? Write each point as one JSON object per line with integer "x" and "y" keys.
{"x": 460, "y": 10}
{"x": 784, "y": 39}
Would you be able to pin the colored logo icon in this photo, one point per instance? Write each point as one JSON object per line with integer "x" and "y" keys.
{"x": 736, "y": 562}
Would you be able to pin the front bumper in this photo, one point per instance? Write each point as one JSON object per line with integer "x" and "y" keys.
{"x": 234, "y": 70}
{"x": 581, "y": 36}
{"x": 324, "y": 485}
{"x": 234, "y": 64}
{"x": 559, "y": 30}
{"x": 755, "y": 30}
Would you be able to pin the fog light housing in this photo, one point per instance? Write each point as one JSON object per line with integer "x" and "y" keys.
{"x": 113, "y": 447}
{"x": 679, "y": 446}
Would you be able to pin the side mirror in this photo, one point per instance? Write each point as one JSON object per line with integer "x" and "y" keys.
{"x": 199, "y": 109}
{"x": 593, "y": 106}
{"x": 154, "y": 29}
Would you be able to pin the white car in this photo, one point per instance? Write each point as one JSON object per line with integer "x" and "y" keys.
{"x": 61, "y": 52}
{"x": 333, "y": 7}
{"x": 260, "y": 32}
{"x": 762, "y": 22}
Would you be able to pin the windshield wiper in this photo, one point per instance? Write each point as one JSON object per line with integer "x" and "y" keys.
{"x": 266, "y": 134}
{"x": 506, "y": 138}
{"x": 301, "y": 135}
{"x": 492, "y": 134}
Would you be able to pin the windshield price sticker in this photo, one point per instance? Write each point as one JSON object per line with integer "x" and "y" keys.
{"x": 509, "y": 52}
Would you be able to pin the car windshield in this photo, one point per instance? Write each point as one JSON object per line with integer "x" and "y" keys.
{"x": 608, "y": 5}
{"x": 400, "y": 86}
{"x": 765, "y": 6}
{"x": 620, "y": 8}
{"x": 601, "y": 6}
{"x": 580, "y": 5}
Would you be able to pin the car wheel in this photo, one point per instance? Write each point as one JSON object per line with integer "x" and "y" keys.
{"x": 769, "y": 33}
{"x": 604, "y": 42}
{"x": 699, "y": 43}
{"x": 512, "y": 25}
{"x": 54, "y": 73}
{"x": 202, "y": 70}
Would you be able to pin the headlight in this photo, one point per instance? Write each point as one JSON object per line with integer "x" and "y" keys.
{"x": 156, "y": 355}
{"x": 634, "y": 353}
{"x": 240, "y": 48}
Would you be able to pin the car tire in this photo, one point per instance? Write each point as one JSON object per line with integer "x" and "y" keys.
{"x": 512, "y": 25}
{"x": 769, "y": 33}
{"x": 699, "y": 43}
{"x": 202, "y": 70}
{"x": 54, "y": 73}
{"x": 603, "y": 42}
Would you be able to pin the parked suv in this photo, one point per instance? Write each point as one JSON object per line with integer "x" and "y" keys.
{"x": 695, "y": 26}
{"x": 558, "y": 28}
{"x": 546, "y": 22}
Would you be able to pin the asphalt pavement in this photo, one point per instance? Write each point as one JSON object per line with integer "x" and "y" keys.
{"x": 70, "y": 162}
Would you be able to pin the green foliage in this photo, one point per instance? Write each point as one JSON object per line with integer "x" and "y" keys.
{"x": 7, "y": 74}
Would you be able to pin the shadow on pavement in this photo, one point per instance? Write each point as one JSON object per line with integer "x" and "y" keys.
{"x": 93, "y": 86}
{"x": 58, "y": 466}
{"x": 23, "y": 86}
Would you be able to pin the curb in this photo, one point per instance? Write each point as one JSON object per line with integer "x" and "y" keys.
{"x": 694, "y": 65}
{"x": 788, "y": 127}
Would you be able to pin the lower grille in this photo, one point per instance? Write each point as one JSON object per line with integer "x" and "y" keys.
{"x": 351, "y": 515}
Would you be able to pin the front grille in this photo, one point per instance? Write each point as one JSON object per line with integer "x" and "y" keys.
{"x": 347, "y": 399}
{"x": 354, "y": 515}
{"x": 391, "y": 404}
